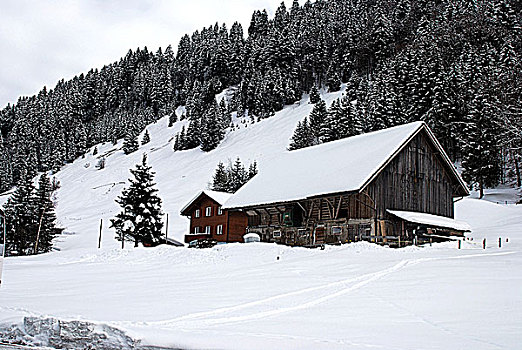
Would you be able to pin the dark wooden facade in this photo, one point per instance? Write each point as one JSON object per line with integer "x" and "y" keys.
{"x": 417, "y": 178}
{"x": 224, "y": 226}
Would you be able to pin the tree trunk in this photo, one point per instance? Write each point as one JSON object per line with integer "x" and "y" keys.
{"x": 481, "y": 190}
{"x": 517, "y": 169}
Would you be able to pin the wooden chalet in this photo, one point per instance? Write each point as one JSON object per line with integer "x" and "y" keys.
{"x": 393, "y": 186}
{"x": 209, "y": 221}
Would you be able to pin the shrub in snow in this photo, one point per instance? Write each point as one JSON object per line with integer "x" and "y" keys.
{"x": 101, "y": 163}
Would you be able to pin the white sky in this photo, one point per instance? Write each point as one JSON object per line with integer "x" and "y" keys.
{"x": 43, "y": 41}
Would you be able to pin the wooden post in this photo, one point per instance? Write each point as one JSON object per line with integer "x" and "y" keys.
{"x": 500, "y": 242}
{"x": 167, "y": 229}
{"x": 399, "y": 241}
{"x": 99, "y": 237}
{"x": 459, "y": 243}
{"x": 431, "y": 240}
{"x": 484, "y": 243}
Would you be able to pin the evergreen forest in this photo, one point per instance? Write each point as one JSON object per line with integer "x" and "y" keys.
{"x": 455, "y": 64}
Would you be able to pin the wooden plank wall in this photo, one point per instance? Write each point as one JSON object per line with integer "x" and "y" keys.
{"x": 415, "y": 180}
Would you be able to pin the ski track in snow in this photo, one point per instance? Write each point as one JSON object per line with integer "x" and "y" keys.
{"x": 307, "y": 298}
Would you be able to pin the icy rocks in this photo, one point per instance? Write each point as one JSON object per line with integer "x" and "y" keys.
{"x": 50, "y": 332}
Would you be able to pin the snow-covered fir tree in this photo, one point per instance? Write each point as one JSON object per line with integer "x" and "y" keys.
{"x": 31, "y": 223}
{"x": 314, "y": 95}
{"x": 146, "y": 138}
{"x": 46, "y": 228}
{"x": 302, "y": 136}
{"x": 140, "y": 219}
{"x": 233, "y": 177}
{"x": 130, "y": 143}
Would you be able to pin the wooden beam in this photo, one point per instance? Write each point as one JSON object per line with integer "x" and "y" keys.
{"x": 302, "y": 208}
{"x": 309, "y": 213}
{"x": 330, "y": 208}
{"x": 280, "y": 211}
{"x": 338, "y": 207}
{"x": 269, "y": 215}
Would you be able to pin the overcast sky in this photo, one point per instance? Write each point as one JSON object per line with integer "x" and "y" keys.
{"x": 43, "y": 41}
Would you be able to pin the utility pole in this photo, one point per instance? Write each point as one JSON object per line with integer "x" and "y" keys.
{"x": 2, "y": 216}
{"x": 167, "y": 229}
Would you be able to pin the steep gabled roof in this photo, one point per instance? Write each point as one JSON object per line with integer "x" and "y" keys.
{"x": 345, "y": 165}
{"x": 218, "y": 197}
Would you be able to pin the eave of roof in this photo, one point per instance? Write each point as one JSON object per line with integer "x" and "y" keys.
{"x": 431, "y": 220}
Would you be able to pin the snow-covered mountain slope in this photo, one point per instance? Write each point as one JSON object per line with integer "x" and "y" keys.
{"x": 87, "y": 194}
{"x": 265, "y": 296}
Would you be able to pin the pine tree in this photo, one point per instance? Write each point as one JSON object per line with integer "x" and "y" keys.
{"x": 302, "y": 136}
{"x": 220, "y": 179}
{"x": 316, "y": 120}
{"x": 237, "y": 176}
{"x": 130, "y": 144}
{"x": 140, "y": 218}
{"x": 172, "y": 119}
{"x": 480, "y": 150}
{"x": 46, "y": 216}
{"x": 252, "y": 170}
{"x": 21, "y": 210}
{"x": 146, "y": 138}
{"x": 314, "y": 95}
{"x": 212, "y": 128}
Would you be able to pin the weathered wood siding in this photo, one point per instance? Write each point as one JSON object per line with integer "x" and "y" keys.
{"x": 415, "y": 180}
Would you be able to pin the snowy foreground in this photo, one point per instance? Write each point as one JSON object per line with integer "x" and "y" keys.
{"x": 241, "y": 296}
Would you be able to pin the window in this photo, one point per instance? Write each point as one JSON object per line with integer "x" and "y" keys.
{"x": 207, "y": 230}
{"x": 220, "y": 211}
{"x": 208, "y": 211}
{"x": 277, "y": 234}
{"x": 219, "y": 229}
{"x": 337, "y": 230}
{"x": 197, "y": 213}
{"x": 196, "y": 229}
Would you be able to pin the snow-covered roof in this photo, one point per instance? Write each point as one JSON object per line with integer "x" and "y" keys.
{"x": 219, "y": 197}
{"x": 339, "y": 166}
{"x": 431, "y": 220}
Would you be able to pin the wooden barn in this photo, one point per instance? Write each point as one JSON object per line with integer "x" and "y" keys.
{"x": 395, "y": 186}
{"x": 209, "y": 221}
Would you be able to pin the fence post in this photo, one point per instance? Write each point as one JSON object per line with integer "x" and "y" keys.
{"x": 99, "y": 237}
{"x": 500, "y": 242}
{"x": 484, "y": 243}
{"x": 459, "y": 243}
